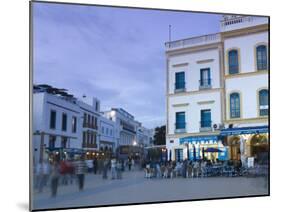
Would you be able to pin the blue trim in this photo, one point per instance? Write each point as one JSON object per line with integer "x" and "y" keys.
{"x": 198, "y": 139}
{"x": 244, "y": 130}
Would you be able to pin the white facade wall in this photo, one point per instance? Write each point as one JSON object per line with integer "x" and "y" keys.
{"x": 194, "y": 103}
{"x": 108, "y": 133}
{"x": 246, "y": 45}
{"x": 192, "y": 69}
{"x": 248, "y": 87}
{"x": 43, "y": 104}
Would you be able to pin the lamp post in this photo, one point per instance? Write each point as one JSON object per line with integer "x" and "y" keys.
{"x": 41, "y": 153}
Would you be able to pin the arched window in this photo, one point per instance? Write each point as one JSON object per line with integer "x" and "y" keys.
{"x": 263, "y": 102}
{"x": 261, "y": 52}
{"x": 233, "y": 64}
{"x": 234, "y": 105}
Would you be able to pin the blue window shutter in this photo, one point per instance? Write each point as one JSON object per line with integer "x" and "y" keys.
{"x": 180, "y": 120}
{"x": 206, "y": 118}
{"x": 233, "y": 62}
{"x": 180, "y": 80}
{"x": 263, "y": 102}
{"x": 261, "y": 52}
{"x": 235, "y": 105}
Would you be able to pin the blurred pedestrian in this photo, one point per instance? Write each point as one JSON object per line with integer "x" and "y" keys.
{"x": 129, "y": 163}
{"x": 105, "y": 168}
{"x": 113, "y": 168}
{"x": 95, "y": 165}
{"x": 80, "y": 169}
{"x": 119, "y": 169}
{"x": 54, "y": 178}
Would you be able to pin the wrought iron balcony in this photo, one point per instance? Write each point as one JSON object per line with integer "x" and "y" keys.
{"x": 205, "y": 126}
{"x": 205, "y": 84}
{"x": 180, "y": 127}
{"x": 180, "y": 87}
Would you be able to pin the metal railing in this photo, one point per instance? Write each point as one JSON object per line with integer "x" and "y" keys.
{"x": 205, "y": 126}
{"x": 180, "y": 127}
{"x": 193, "y": 41}
{"x": 205, "y": 84}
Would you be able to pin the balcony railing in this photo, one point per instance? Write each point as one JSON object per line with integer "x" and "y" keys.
{"x": 180, "y": 127}
{"x": 90, "y": 125}
{"x": 205, "y": 126}
{"x": 205, "y": 84}
{"x": 85, "y": 145}
{"x": 200, "y": 40}
{"x": 179, "y": 87}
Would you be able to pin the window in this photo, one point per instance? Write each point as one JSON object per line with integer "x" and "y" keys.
{"x": 111, "y": 132}
{"x": 106, "y": 131}
{"x": 63, "y": 142}
{"x": 233, "y": 62}
{"x": 102, "y": 129}
{"x": 93, "y": 122}
{"x": 84, "y": 120}
{"x": 180, "y": 120}
{"x": 206, "y": 118}
{"x": 52, "y": 141}
{"x": 74, "y": 124}
{"x": 179, "y": 154}
{"x": 96, "y": 123}
{"x": 180, "y": 80}
{"x": 64, "y": 122}
{"x": 84, "y": 137}
{"x": 53, "y": 115}
{"x": 205, "y": 77}
{"x": 261, "y": 52}
{"x": 234, "y": 105}
{"x": 263, "y": 102}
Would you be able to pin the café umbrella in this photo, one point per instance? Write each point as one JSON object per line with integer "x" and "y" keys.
{"x": 211, "y": 149}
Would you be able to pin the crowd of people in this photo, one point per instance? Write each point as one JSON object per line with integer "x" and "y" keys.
{"x": 188, "y": 168}
{"x": 64, "y": 172}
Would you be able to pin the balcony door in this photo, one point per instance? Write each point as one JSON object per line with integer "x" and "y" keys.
{"x": 205, "y": 77}
{"x": 205, "y": 118}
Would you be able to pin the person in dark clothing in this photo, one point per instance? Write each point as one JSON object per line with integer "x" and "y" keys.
{"x": 129, "y": 163}
{"x": 95, "y": 163}
{"x": 184, "y": 168}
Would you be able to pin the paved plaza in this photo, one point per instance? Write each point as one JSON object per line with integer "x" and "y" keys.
{"x": 134, "y": 188}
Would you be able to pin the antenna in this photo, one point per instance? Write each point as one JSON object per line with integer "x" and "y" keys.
{"x": 170, "y": 35}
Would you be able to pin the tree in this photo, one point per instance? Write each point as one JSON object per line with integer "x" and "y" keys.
{"x": 160, "y": 135}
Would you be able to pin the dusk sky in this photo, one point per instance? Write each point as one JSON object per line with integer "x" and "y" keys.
{"x": 114, "y": 54}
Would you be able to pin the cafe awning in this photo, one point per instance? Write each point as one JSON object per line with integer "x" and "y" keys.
{"x": 244, "y": 130}
{"x": 201, "y": 139}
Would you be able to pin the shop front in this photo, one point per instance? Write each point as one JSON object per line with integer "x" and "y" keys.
{"x": 208, "y": 147}
{"x": 247, "y": 142}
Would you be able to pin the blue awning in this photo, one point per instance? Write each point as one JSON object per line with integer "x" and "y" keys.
{"x": 199, "y": 139}
{"x": 244, "y": 130}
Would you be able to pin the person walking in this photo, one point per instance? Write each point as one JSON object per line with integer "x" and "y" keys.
{"x": 113, "y": 168}
{"x": 189, "y": 169}
{"x": 95, "y": 165}
{"x": 80, "y": 170}
{"x": 54, "y": 178}
{"x": 129, "y": 163}
{"x": 184, "y": 167}
{"x": 119, "y": 169}
{"x": 105, "y": 168}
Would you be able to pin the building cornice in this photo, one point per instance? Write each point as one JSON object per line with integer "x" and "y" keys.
{"x": 246, "y": 120}
{"x": 193, "y": 49}
{"x": 245, "y": 31}
{"x": 181, "y": 135}
{"x": 246, "y": 74}
{"x": 195, "y": 92}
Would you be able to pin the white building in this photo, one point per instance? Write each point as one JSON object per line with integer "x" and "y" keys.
{"x": 56, "y": 121}
{"x": 108, "y": 134}
{"x": 90, "y": 114}
{"x": 246, "y": 84}
{"x": 200, "y": 83}
{"x": 143, "y": 136}
{"x": 62, "y": 123}
{"x": 126, "y": 126}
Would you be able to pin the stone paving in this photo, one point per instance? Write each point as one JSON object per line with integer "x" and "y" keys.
{"x": 134, "y": 188}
